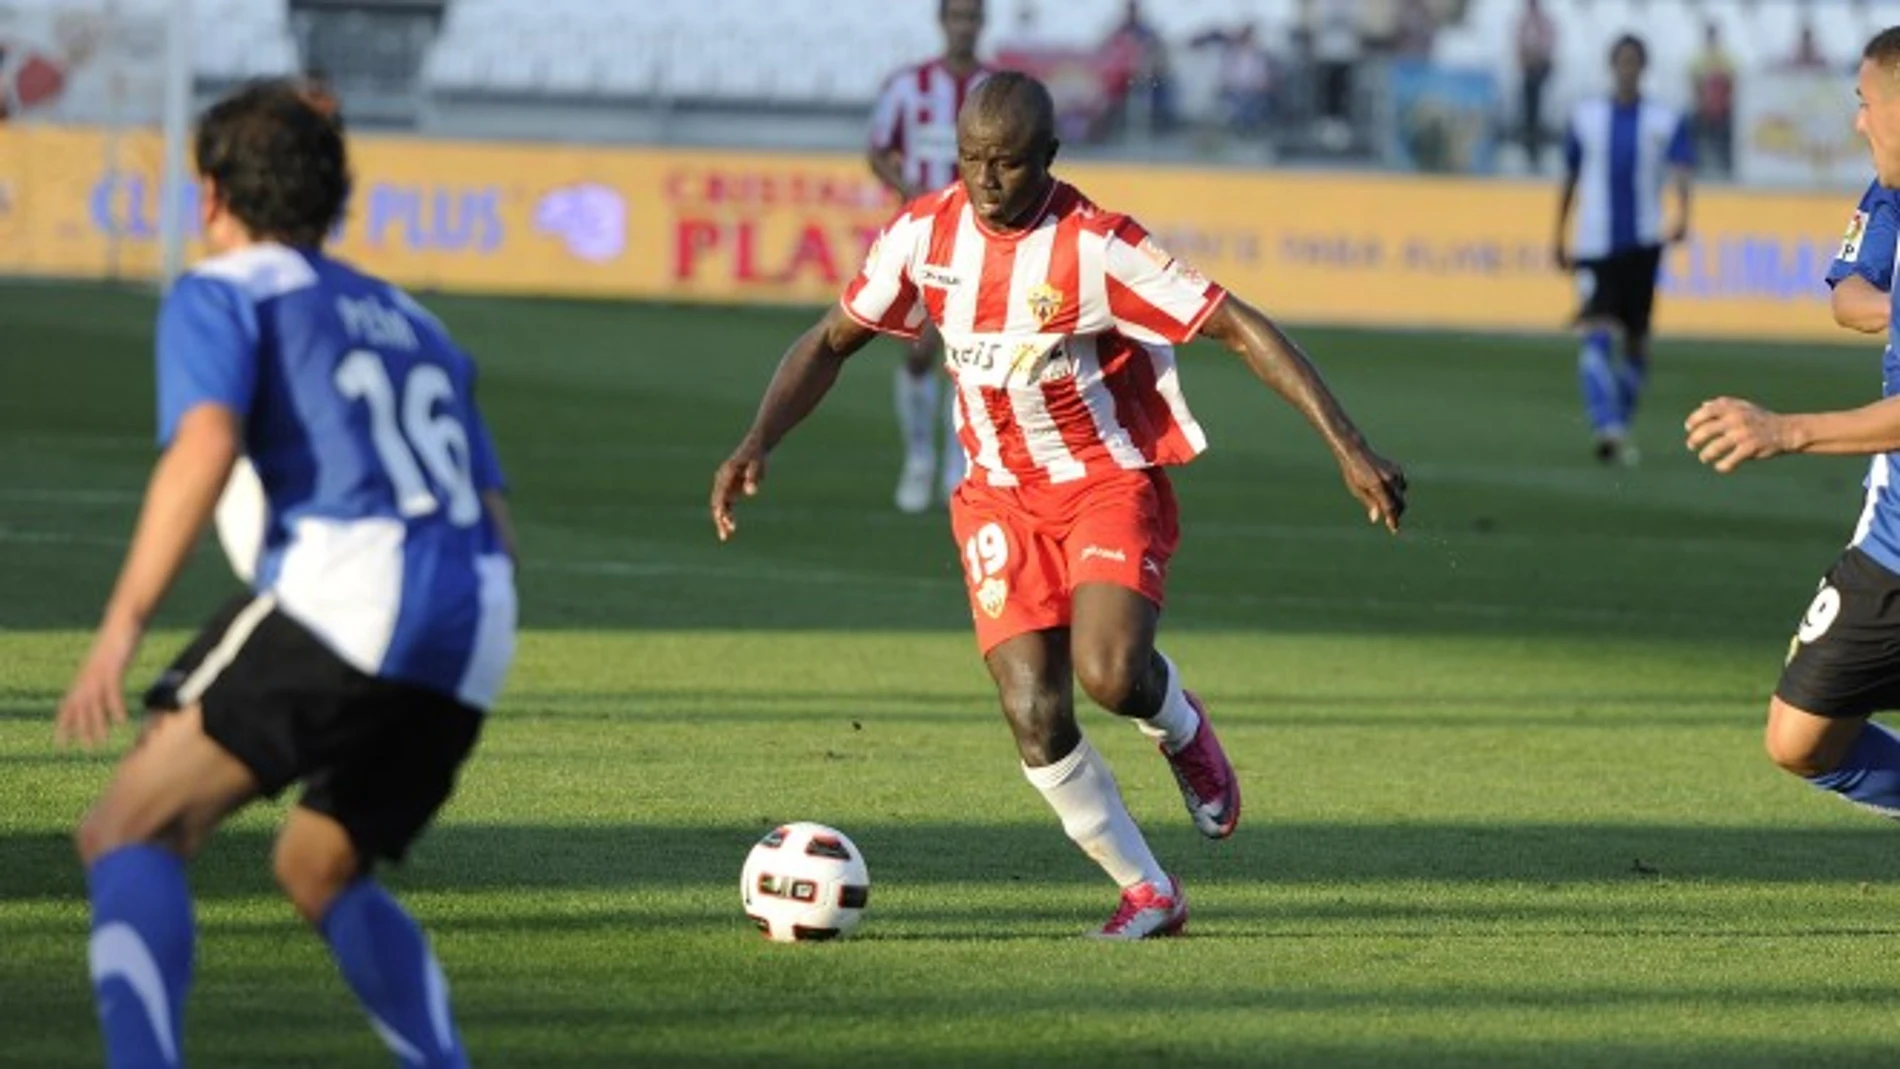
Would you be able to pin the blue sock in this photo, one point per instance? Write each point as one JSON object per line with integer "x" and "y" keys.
{"x": 1631, "y": 373}
{"x": 1601, "y": 399}
{"x": 1870, "y": 774}
{"x": 387, "y": 962}
{"x": 141, "y": 952}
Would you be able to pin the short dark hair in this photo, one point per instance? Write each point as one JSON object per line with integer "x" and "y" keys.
{"x": 1884, "y": 48}
{"x": 943, "y": 9}
{"x": 1630, "y": 40}
{"x": 1016, "y": 97}
{"x": 278, "y": 163}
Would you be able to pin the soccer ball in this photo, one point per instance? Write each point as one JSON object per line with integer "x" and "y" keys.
{"x": 804, "y": 882}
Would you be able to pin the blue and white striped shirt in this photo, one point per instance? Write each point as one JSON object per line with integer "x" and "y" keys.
{"x": 359, "y": 419}
{"x": 1867, "y": 251}
{"x": 1620, "y": 155}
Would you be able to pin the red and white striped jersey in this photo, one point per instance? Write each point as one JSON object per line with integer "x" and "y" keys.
{"x": 1060, "y": 337}
{"x": 916, "y": 115}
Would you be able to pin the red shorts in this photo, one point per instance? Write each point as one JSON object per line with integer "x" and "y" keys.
{"x": 1025, "y": 550}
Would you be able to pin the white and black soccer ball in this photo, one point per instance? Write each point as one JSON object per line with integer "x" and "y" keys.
{"x": 805, "y": 882}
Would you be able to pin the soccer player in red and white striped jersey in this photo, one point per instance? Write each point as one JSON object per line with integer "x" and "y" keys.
{"x": 1059, "y": 322}
{"x": 914, "y": 151}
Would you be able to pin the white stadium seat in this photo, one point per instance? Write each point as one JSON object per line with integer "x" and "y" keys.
{"x": 836, "y": 53}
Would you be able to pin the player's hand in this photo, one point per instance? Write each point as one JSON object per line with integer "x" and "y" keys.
{"x": 741, "y": 474}
{"x": 1560, "y": 255}
{"x": 1726, "y": 431}
{"x": 95, "y": 701}
{"x": 1378, "y": 483}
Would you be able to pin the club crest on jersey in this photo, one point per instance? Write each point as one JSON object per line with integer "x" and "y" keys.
{"x": 1045, "y": 302}
{"x": 992, "y": 594}
{"x": 1850, "y": 242}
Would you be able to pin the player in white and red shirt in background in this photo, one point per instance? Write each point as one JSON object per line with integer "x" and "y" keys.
{"x": 1059, "y": 321}
{"x": 914, "y": 151}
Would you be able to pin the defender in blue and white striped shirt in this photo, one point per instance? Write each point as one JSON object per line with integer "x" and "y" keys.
{"x": 1841, "y": 670}
{"x": 381, "y": 619}
{"x": 1619, "y": 154}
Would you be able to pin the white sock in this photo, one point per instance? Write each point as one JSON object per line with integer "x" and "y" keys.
{"x": 1174, "y": 726}
{"x": 1082, "y": 791}
{"x": 916, "y": 399}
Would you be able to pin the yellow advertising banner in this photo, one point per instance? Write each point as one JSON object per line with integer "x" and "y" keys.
{"x": 1417, "y": 251}
{"x": 673, "y": 224}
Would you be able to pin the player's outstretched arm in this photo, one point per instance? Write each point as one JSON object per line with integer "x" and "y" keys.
{"x": 178, "y": 502}
{"x": 1378, "y": 483}
{"x": 1726, "y": 432}
{"x": 804, "y": 376}
{"x": 1860, "y": 305}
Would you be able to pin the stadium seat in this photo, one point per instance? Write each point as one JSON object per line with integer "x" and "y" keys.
{"x": 835, "y": 54}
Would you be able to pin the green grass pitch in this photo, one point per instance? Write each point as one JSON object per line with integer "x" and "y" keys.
{"x": 1505, "y": 798}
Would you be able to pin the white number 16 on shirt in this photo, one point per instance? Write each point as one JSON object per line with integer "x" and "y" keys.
{"x": 409, "y": 429}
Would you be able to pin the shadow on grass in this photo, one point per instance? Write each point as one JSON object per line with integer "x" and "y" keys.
{"x": 462, "y": 856}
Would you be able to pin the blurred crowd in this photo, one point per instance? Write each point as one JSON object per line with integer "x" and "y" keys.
{"x": 1709, "y": 95}
{"x": 1299, "y": 75}
{"x": 1303, "y": 85}
{"x": 1327, "y": 80}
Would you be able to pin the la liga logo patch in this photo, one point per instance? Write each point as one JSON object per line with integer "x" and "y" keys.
{"x": 1850, "y": 242}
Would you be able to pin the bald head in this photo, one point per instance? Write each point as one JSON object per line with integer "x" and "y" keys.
{"x": 1006, "y": 140}
{"x": 1012, "y": 104}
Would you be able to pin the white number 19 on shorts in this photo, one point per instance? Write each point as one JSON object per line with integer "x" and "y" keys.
{"x": 986, "y": 552}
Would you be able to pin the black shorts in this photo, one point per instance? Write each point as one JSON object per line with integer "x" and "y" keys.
{"x": 1845, "y": 658}
{"x": 378, "y": 756}
{"x": 1621, "y": 288}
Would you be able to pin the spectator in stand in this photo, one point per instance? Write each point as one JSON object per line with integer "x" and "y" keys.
{"x": 1417, "y": 30}
{"x": 1028, "y": 32}
{"x": 1536, "y": 52}
{"x": 1148, "y": 65}
{"x": 1712, "y": 87}
{"x": 1378, "y": 22}
{"x": 1336, "y": 51}
{"x": 318, "y": 93}
{"x": 1807, "y": 52}
{"x": 1246, "y": 76}
{"x": 1075, "y": 81}
{"x": 33, "y": 77}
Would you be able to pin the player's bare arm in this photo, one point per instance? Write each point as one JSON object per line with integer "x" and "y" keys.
{"x": 1860, "y": 305}
{"x": 1683, "y": 179}
{"x": 1726, "y": 432}
{"x": 1560, "y": 244}
{"x": 178, "y": 503}
{"x": 1279, "y": 362}
{"x": 888, "y": 166}
{"x": 804, "y": 376}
